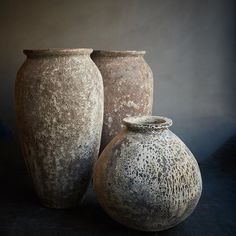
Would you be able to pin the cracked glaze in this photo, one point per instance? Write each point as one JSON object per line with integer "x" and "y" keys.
{"x": 59, "y": 105}
{"x": 128, "y": 88}
{"x": 147, "y": 178}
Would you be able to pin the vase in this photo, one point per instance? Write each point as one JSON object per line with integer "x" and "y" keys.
{"x": 59, "y": 108}
{"x": 146, "y": 178}
{"x": 128, "y": 88}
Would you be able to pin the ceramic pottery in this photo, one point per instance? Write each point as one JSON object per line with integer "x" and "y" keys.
{"x": 146, "y": 178}
{"x": 128, "y": 88}
{"x": 59, "y": 105}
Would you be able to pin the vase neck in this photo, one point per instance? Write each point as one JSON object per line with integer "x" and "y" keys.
{"x": 111, "y": 53}
{"x": 55, "y": 52}
{"x": 147, "y": 123}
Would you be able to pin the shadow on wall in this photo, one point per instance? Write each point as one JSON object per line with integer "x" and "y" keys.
{"x": 205, "y": 138}
{"x": 11, "y": 158}
{"x": 7, "y": 111}
{"x": 224, "y": 158}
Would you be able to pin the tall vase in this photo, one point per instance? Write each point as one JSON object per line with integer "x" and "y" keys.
{"x": 128, "y": 88}
{"x": 146, "y": 178}
{"x": 59, "y": 106}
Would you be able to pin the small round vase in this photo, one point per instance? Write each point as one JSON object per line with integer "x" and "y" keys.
{"x": 146, "y": 178}
{"x": 59, "y": 106}
{"x": 128, "y": 88}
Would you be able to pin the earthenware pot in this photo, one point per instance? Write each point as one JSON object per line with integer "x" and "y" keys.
{"x": 147, "y": 178}
{"x": 59, "y": 106}
{"x": 128, "y": 88}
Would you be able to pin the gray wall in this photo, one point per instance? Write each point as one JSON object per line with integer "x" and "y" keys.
{"x": 190, "y": 48}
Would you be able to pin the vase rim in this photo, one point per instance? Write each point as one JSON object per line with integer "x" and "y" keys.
{"x": 57, "y": 52}
{"x": 147, "y": 122}
{"x": 116, "y": 53}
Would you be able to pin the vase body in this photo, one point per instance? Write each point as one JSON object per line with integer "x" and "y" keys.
{"x": 146, "y": 178}
{"x": 128, "y": 88}
{"x": 59, "y": 106}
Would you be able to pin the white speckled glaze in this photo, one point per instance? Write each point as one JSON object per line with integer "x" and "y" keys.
{"x": 59, "y": 106}
{"x": 146, "y": 178}
{"x": 128, "y": 88}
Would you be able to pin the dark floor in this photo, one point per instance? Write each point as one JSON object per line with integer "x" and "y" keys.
{"x": 21, "y": 213}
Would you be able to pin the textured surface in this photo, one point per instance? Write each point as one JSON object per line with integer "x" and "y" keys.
{"x": 22, "y": 214}
{"x": 59, "y": 104}
{"x": 147, "y": 178}
{"x": 128, "y": 88}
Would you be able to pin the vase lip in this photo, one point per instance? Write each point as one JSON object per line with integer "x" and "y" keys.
{"x": 117, "y": 53}
{"x": 147, "y": 122}
{"x": 57, "y": 52}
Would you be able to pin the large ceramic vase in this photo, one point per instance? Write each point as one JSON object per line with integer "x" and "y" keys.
{"x": 128, "y": 88}
{"x": 59, "y": 105}
{"x": 147, "y": 178}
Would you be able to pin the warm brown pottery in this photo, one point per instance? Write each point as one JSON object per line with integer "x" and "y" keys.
{"x": 146, "y": 178}
{"x": 59, "y": 105}
{"x": 128, "y": 88}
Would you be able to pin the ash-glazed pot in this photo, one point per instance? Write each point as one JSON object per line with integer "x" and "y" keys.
{"x": 128, "y": 88}
{"x": 59, "y": 106}
{"x": 146, "y": 178}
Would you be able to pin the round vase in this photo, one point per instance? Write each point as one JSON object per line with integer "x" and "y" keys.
{"x": 128, "y": 88}
{"x": 147, "y": 178}
{"x": 59, "y": 106}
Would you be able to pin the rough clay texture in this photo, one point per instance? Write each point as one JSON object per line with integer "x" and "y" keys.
{"x": 147, "y": 178}
{"x": 128, "y": 88}
{"x": 59, "y": 105}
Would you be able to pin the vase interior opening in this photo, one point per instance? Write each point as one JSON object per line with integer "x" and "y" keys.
{"x": 147, "y": 122}
{"x": 32, "y": 53}
{"x": 113, "y": 53}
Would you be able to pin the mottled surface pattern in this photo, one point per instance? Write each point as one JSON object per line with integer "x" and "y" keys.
{"x": 128, "y": 88}
{"x": 147, "y": 178}
{"x": 59, "y": 105}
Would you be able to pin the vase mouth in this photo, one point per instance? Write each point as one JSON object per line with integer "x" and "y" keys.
{"x": 57, "y": 52}
{"x": 147, "y": 122}
{"x": 114, "y": 53}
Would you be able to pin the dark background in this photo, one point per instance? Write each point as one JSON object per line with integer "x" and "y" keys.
{"x": 190, "y": 47}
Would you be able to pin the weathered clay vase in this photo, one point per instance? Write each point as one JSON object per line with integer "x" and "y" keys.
{"x": 128, "y": 88}
{"x": 59, "y": 105}
{"x": 146, "y": 178}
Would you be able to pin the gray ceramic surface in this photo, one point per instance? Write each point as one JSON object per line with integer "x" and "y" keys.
{"x": 146, "y": 178}
{"x": 59, "y": 106}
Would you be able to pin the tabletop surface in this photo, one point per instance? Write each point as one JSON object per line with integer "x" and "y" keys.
{"x": 22, "y": 214}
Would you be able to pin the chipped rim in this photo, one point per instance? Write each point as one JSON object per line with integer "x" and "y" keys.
{"x": 147, "y": 122}
{"x": 57, "y": 52}
{"x": 114, "y": 53}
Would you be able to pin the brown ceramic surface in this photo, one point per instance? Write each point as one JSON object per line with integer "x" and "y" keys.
{"x": 128, "y": 88}
{"x": 59, "y": 105}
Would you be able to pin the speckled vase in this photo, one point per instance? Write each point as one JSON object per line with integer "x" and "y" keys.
{"x": 59, "y": 106}
{"x": 128, "y": 88}
{"x": 147, "y": 178}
